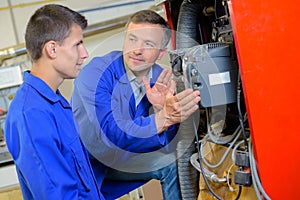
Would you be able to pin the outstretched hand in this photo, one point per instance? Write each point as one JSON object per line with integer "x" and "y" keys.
{"x": 177, "y": 109}
{"x": 164, "y": 88}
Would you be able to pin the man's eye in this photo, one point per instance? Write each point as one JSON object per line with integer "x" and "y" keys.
{"x": 149, "y": 45}
{"x": 132, "y": 39}
{"x": 79, "y": 43}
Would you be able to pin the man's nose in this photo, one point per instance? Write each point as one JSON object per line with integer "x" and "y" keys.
{"x": 84, "y": 53}
{"x": 138, "y": 48}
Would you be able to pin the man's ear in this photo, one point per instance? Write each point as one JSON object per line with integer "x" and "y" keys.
{"x": 50, "y": 49}
{"x": 162, "y": 53}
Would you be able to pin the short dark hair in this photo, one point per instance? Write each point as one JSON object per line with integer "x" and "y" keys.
{"x": 50, "y": 22}
{"x": 151, "y": 17}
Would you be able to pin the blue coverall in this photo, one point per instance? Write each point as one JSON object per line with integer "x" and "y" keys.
{"x": 116, "y": 132}
{"x": 50, "y": 159}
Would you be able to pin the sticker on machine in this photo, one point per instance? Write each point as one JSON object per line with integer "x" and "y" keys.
{"x": 219, "y": 78}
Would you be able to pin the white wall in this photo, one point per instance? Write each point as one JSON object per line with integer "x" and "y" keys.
{"x": 14, "y": 14}
{"x": 7, "y": 32}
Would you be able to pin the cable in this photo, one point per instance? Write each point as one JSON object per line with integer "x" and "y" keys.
{"x": 211, "y": 175}
{"x": 241, "y": 119}
{"x": 201, "y": 166}
{"x": 224, "y": 140}
{"x": 225, "y": 154}
{"x": 256, "y": 180}
{"x": 227, "y": 176}
{"x": 234, "y": 150}
{"x": 221, "y": 139}
{"x": 237, "y": 134}
{"x": 216, "y": 15}
{"x": 239, "y": 194}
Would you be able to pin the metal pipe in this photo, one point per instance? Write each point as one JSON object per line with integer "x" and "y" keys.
{"x": 12, "y": 51}
{"x": 20, "y": 49}
{"x": 105, "y": 26}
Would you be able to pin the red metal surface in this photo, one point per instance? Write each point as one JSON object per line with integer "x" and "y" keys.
{"x": 168, "y": 17}
{"x": 267, "y": 37}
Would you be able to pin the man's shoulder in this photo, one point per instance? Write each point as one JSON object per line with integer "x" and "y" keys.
{"x": 101, "y": 63}
{"x": 98, "y": 65}
{"x": 107, "y": 59}
{"x": 28, "y": 99}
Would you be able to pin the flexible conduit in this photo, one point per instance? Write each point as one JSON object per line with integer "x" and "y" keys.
{"x": 186, "y": 37}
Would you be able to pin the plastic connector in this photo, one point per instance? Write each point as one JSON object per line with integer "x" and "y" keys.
{"x": 242, "y": 178}
{"x": 242, "y": 159}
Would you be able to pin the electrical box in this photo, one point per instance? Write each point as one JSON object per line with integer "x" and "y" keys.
{"x": 211, "y": 69}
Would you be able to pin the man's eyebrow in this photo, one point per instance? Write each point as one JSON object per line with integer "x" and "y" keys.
{"x": 147, "y": 40}
{"x": 132, "y": 35}
{"x": 150, "y": 41}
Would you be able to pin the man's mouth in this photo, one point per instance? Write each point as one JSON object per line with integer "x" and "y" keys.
{"x": 136, "y": 59}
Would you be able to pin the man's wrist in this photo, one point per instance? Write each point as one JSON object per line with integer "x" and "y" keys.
{"x": 162, "y": 121}
{"x": 157, "y": 108}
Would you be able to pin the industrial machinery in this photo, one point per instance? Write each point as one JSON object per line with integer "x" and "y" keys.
{"x": 241, "y": 56}
{"x": 204, "y": 58}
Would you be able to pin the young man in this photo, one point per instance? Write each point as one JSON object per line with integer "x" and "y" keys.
{"x": 131, "y": 136}
{"x": 50, "y": 159}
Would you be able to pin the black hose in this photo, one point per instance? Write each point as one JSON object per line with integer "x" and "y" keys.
{"x": 188, "y": 176}
{"x": 187, "y": 36}
{"x": 188, "y": 33}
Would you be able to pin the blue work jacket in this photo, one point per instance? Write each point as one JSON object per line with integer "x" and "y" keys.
{"x": 112, "y": 128}
{"x": 50, "y": 159}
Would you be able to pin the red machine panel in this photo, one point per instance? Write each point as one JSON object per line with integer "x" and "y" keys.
{"x": 268, "y": 43}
